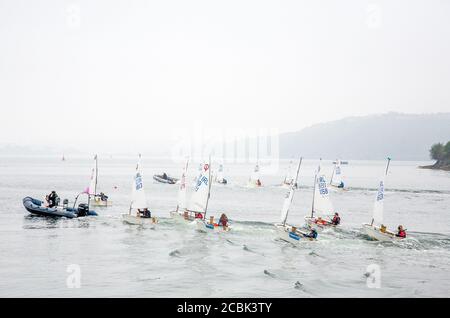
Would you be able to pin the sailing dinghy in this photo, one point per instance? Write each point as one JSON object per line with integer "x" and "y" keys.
{"x": 97, "y": 199}
{"x": 285, "y": 231}
{"x": 376, "y": 230}
{"x": 289, "y": 178}
{"x": 336, "y": 177}
{"x": 138, "y": 213}
{"x": 255, "y": 181}
{"x": 321, "y": 204}
{"x": 219, "y": 178}
{"x": 181, "y": 213}
{"x": 200, "y": 200}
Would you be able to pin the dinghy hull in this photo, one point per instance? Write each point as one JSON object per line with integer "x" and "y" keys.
{"x": 285, "y": 233}
{"x": 375, "y": 234}
{"x": 36, "y": 207}
{"x": 134, "y": 220}
{"x": 178, "y": 216}
{"x": 207, "y": 227}
{"x": 101, "y": 203}
{"x": 312, "y": 223}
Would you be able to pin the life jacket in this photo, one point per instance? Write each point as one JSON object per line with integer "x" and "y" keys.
{"x": 402, "y": 234}
{"x": 336, "y": 220}
{"x": 198, "y": 216}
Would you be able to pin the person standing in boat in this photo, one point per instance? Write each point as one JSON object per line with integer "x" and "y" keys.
{"x": 336, "y": 219}
{"x": 223, "y": 221}
{"x": 52, "y": 199}
{"x": 401, "y": 232}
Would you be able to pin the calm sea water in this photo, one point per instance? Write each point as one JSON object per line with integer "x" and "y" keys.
{"x": 116, "y": 259}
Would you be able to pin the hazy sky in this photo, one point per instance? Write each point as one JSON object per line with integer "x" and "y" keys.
{"x": 121, "y": 72}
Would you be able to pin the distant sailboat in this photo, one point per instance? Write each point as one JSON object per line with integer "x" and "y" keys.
{"x": 138, "y": 213}
{"x": 255, "y": 180}
{"x": 336, "y": 177}
{"x": 285, "y": 231}
{"x": 219, "y": 178}
{"x": 376, "y": 230}
{"x": 289, "y": 178}
{"x": 99, "y": 199}
{"x": 63, "y": 158}
{"x": 179, "y": 213}
{"x": 321, "y": 204}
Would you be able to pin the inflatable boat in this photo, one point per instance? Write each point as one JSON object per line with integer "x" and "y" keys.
{"x": 160, "y": 178}
{"x": 36, "y": 207}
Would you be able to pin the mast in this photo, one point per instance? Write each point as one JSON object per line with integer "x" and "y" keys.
{"x": 292, "y": 187}
{"x": 332, "y": 175}
{"x": 96, "y": 175}
{"x": 314, "y": 189}
{"x": 209, "y": 186}
{"x": 387, "y": 166}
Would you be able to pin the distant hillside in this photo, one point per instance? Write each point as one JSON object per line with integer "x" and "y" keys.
{"x": 401, "y": 136}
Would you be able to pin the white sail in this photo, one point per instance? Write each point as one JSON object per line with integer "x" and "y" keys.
{"x": 91, "y": 190}
{"x": 322, "y": 202}
{"x": 200, "y": 196}
{"x": 378, "y": 205}
{"x": 219, "y": 176}
{"x": 337, "y": 175}
{"x": 289, "y": 196}
{"x": 255, "y": 175}
{"x": 182, "y": 188}
{"x": 139, "y": 200}
{"x": 289, "y": 178}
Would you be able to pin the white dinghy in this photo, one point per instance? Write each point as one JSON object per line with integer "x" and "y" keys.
{"x": 181, "y": 213}
{"x": 336, "y": 180}
{"x": 219, "y": 178}
{"x": 289, "y": 178}
{"x": 200, "y": 200}
{"x": 285, "y": 231}
{"x": 96, "y": 199}
{"x": 376, "y": 230}
{"x": 138, "y": 213}
{"x": 255, "y": 180}
{"x": 322, "y": 208}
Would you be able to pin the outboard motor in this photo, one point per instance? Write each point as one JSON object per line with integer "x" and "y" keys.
{"x": 83, "y": 209}
{"x": 57, "y": 201}
{"x": 65, "y": 203}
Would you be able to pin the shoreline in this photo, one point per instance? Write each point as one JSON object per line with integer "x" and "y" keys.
{"x": 445, "y": 167}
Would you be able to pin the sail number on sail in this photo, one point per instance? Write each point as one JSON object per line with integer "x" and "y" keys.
{"x": 380, "y": 195}
{"x": 322, "y": 185}
{"x": 138, "y": 181}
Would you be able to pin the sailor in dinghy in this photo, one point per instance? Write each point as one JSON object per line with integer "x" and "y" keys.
{"x": 139, "y": 213}
{"x": 321, "y": 205}
{"x": 376, "y": 230}
{"x": 98, "y": 199}
{"x": 288, "y": 232}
